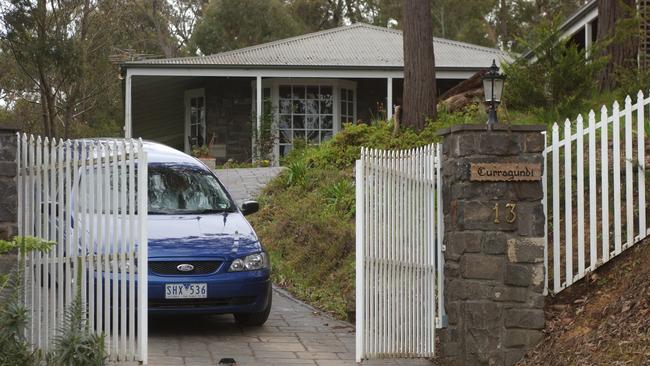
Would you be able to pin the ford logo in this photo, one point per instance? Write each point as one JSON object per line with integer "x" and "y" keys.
{"x": 185, "y": 267}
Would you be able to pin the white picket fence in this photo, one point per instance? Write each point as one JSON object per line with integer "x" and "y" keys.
{"x": 399, "y": 282}
{"x": 83, "y": 195}
{"x": 597, "y": 190}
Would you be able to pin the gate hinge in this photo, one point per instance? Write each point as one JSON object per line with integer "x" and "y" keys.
{"x": 444, "y": 247}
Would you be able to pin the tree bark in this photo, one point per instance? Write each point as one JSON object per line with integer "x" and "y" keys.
{"x": 419, "y": 65}
{"x": 621, "y": 50}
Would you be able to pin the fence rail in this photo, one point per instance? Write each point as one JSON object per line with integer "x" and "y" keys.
{"x": 399, "y": 280}
{"x": 82, "y": 195}
{"x": 598, "y": 193}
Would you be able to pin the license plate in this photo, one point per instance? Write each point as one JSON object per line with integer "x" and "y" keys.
{"x": 186, "y": 290}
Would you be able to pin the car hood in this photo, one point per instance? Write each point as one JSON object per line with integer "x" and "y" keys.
{"x": 224, "y": 235}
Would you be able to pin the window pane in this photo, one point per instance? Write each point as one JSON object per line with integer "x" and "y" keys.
{"x": 326, "y": 107}
{"x": 285, "y": 122}
{"x": 298, "y": 92}
{"x": 344, "y": 108}
{"x": 285, "y": 106}
{"x": 312, "y": 136}
{"x": 285, "y": 136}
{"x": 284, "y": 149}
{"x": 311, "y": 122}
{"x": 326, "y": 122}
{"x": 344, "y": 94}
{"x": 199, "y": 102}
{"x": 325, "y": 92}
{"x": 312, "y": 92}
{"x": 299, "y": 122}
{"x": 299, "y": 106}
{"x": 311, "y": 107}
{"x": 285, "y": 91}
{"x": 298, "y": 134}
{"x": 351, "y": 95}
{"x": 266, "y": 93}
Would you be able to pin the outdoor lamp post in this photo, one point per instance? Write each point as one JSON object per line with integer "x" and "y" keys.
{"x": 493, "y": 89}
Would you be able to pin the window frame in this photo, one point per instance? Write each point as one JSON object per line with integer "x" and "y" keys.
{"x": 336, "y": 84}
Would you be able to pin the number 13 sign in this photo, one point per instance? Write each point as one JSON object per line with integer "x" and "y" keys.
{"x": 511, "y": 213}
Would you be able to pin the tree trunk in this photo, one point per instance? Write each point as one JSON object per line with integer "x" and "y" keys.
{"x": 419, "y": 65}
{"x": 621, "y": 49}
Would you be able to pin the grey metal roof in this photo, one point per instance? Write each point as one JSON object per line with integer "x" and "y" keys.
{"x": 353, "y": 46}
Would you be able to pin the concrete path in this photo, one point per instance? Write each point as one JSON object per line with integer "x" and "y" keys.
{"x": 295, "y": 334}
{"x": 246, "y": 183}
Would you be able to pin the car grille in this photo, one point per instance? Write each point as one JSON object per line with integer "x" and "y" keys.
{"x": 169, "y": 268}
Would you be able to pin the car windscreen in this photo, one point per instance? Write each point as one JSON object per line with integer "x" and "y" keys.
{"x": 184, "y": 189}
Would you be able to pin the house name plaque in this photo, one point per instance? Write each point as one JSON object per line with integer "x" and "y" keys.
{"x": 509, "y": 172}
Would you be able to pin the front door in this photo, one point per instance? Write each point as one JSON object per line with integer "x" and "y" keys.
{"x": 194, "y": 118}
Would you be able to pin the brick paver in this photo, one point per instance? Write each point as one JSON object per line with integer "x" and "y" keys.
{"x": 246, "y": 183}
{"x": 295, "y": 334}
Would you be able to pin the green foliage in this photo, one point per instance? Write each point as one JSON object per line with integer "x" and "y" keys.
{"x": 296, "y": 173}
{"x": 75, "y": 344}
{"x": 25, "y": 244}
{"x": 340, "y": 197}
{"x": 14, "y": 349}
{"x": 232, "y": 24}
{"x": 558, "y": 83}
{"x": 306, "y": 220}
{"x": 200, "y": 151}
{"x": 265, "y": 139}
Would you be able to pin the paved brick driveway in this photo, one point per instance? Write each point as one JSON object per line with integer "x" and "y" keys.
{"x": 295, "y": 334}
{"x": 246, "y": 183}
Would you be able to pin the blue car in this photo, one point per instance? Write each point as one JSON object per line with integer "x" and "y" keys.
{"x": 204, "y": 256}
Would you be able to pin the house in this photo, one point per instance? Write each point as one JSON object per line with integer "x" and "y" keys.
{"x": 311, "y": 85}
{"x": 581, "y": 28}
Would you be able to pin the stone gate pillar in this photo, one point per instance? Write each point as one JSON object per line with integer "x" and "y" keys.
{"x": 494, "y": 243}
{"x": 8, "y": 196}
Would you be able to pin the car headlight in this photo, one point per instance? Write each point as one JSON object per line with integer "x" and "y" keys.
{"x": 249, "y": 263}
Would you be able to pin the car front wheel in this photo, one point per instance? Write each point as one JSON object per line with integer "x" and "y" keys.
{"x": 255, "y": 319}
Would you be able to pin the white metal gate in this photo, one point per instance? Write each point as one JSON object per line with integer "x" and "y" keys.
{"x": 83, "y": 195}
{"x": 399, "y": 282}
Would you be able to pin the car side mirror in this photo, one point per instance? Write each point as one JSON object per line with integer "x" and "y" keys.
{"x": 249, "y": 207}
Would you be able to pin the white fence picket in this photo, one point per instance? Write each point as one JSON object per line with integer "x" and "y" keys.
{"x": 640, "y": 134}
{"x": 628, "y": 220}
{"x": 82, "y": 195}
{"x": 399, "y": 254}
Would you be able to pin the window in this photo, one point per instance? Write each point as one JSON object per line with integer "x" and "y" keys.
{"x": 194, "y": 118}
{"x": 347, "y": 105}
{"x": 305, "y": 112}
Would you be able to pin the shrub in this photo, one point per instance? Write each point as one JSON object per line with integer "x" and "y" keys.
{"x": 559, "y": 79}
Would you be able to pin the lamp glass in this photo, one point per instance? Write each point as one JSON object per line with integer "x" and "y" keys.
{"x": 487, "y": 88}
{"x": 498, "y": 89}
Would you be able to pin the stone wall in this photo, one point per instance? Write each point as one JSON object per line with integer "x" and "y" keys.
{"x": 494, "y": 272}
{"x": 8, "y": 195}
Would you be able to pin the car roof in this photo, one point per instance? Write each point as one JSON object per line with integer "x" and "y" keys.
{"x": 156, "y": 152}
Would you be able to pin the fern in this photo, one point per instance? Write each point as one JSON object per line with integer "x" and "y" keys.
{"x": 75, "y": 343}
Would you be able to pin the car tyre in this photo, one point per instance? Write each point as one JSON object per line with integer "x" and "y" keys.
{"x": 255, "y": 319}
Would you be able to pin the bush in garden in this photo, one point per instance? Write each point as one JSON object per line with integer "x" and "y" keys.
{"x": 557, "y": 80}
{"x": 75, "y": 343}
